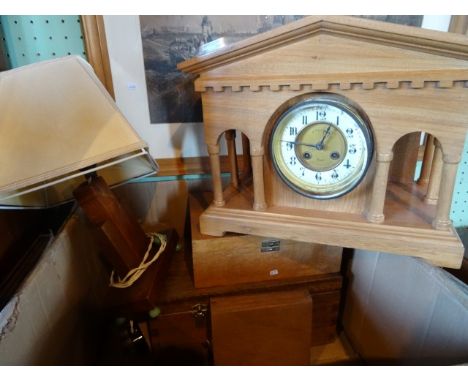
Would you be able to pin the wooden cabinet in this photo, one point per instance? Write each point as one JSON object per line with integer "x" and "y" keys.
{"x": 236, "y": 258}
{"x": 238, "y": 312}
{"x": 279, "y": 318}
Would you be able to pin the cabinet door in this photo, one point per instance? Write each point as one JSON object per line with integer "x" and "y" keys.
{"x": 179, "y": 335}
{"x": 271, "y": 328}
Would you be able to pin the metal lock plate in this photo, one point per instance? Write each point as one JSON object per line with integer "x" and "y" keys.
{"x": 270, "y": 245}
{"x": 199, "y": 311}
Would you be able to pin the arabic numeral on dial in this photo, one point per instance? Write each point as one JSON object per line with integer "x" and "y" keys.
{"x": 302, "y": 170}
{"x": 318, "y": 177}
{"x": 337, "y": 120}
{"x": 292, "y": 161}
{"x": 304, "y": 119}
{"x": 292, "y": 131}
{"x": 349, "y": 131}
{"x": 289, "y": 146}
{"x": 334, "y": 175}
{"x": 347, "y": 164}
{"x": 352, "y": 149}
{"x": 321, "y": 114}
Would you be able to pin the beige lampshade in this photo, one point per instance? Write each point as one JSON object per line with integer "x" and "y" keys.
{"x": 57, "y": 123}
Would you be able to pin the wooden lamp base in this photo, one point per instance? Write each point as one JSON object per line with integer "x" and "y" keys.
{"x": 124, "y": 244}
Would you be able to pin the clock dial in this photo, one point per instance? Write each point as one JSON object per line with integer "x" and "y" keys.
{"x": 321, "y": 147}
{"x": 328, "y": 151}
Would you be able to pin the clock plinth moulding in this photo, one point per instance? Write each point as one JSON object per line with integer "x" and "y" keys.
{"x": 406, "y": 80}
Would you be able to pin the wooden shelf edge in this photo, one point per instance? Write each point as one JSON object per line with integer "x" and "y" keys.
{"x": 192, "y": 165}
{"x": 441, "y": 248}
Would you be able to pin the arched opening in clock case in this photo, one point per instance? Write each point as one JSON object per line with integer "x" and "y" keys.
{"x": 413, "y": 180}
{"x": 238, "y": 161}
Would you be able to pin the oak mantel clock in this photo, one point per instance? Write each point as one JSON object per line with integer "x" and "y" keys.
{"x": 332, "y": 111}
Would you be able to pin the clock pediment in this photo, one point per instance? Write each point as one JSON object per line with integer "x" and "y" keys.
{"x": 326, "y": 45}
{"x": 328, "y": 54}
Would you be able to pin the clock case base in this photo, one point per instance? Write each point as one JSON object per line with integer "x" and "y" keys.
{"x": 407, "y": 228}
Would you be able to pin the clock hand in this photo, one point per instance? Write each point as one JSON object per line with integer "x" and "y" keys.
{"x": 319, "y": 145}
{"x": 301, "y": 144}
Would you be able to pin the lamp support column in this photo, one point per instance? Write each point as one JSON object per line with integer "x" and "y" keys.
{"x": 122, "y": 238}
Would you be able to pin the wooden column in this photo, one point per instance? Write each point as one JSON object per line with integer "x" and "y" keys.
{"x": 232, "y": 155}
{"x": 432, "y": 193}
{"x": 246, "y": 161}
{"x": 427, "y": 160}
{"x": 449, "y": 173}
{"x": 379, "y": 188}
{"x": 213, "y": 151}
{"x": 96, "y": 49}
{"x": 258, "y": 185}
{"x": 459, "y": 24}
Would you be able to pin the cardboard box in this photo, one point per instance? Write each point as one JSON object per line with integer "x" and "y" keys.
{"x": 404, "y": 311}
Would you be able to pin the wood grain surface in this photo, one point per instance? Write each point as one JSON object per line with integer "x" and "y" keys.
{"x": 270, "y": 328}
{"x": 404, "y": 80}
{"x": 235, "y": 258}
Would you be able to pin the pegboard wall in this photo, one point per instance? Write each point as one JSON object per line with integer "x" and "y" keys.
{"x": 29, "y": 39}
{"x": 4, "y": 63}
{"x": 459, "y": 211}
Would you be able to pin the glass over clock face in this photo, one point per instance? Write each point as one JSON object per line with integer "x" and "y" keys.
{"x": 321, "y": 146}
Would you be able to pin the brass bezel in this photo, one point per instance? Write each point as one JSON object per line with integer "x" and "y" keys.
{"x": 325, "y": 191}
